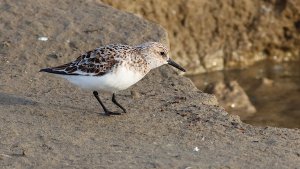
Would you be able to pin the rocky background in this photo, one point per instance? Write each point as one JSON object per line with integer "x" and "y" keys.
{"x": 215, "y": 35}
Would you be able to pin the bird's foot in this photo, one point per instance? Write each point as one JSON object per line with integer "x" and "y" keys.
{"x": 108, "y": 113}
{"x": 124, "y": 110}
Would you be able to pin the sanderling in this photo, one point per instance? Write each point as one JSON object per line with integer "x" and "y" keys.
{"x": 113, "y": 68}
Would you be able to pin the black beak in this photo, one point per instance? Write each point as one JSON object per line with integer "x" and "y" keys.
{"x": 172, "y": 63}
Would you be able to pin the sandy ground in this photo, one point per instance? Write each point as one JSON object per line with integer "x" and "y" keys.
{"x": 47, "y": 123}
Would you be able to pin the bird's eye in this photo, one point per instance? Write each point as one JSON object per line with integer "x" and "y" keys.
{"x": 162, "y": 53}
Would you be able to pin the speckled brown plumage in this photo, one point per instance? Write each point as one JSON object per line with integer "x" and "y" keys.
{"x": 101, "y": 60}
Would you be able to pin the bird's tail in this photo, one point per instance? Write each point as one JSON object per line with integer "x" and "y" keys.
{"x": 51, "y": 70}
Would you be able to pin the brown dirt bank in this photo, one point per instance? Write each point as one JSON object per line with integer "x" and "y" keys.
{"x": 48, "y": 123}
{"x": 213, "y": 35}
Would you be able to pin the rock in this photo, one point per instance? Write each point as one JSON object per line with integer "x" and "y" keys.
{"x": 267, "y": 82}
{"x": 244, "y": 31}
{"x": 233, "y": 98}
{"x": 48, "y": 123}
{"x": 135, "y": 94}
{"x": 214, "y": 61}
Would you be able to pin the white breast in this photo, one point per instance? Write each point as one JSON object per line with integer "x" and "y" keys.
{"x": 120, "y": 79}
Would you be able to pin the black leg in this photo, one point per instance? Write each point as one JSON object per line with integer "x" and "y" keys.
{"x": 104, "y": 108}
{"x": 113, "y": 99}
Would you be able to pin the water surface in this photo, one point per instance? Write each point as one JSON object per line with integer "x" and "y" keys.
{"x": 273, "y": 88}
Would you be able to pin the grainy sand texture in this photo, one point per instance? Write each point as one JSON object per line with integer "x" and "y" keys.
{"x": 46, "y": 122}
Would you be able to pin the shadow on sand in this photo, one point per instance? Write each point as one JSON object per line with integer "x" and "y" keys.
{"x": 8, "y": 99}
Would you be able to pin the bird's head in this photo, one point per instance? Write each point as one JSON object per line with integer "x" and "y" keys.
{"x": 156, "y": 54}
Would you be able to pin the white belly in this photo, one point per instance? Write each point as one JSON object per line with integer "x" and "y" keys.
{"x": 121, "y": 79}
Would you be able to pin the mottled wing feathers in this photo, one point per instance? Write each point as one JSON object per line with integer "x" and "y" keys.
{"x": 96, "y": 62}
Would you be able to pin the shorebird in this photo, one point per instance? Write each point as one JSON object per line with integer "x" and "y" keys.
{"x": 113, "y": 67}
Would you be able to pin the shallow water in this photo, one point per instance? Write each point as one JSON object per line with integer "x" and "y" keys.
{"x": 273, "y": 88}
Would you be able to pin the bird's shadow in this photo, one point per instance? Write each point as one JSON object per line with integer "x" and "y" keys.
{"x": 13, "y": 100}
{"x": 8, "y": 99}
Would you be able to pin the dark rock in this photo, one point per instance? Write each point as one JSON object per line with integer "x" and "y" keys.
{"x": 233, "y": 98}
